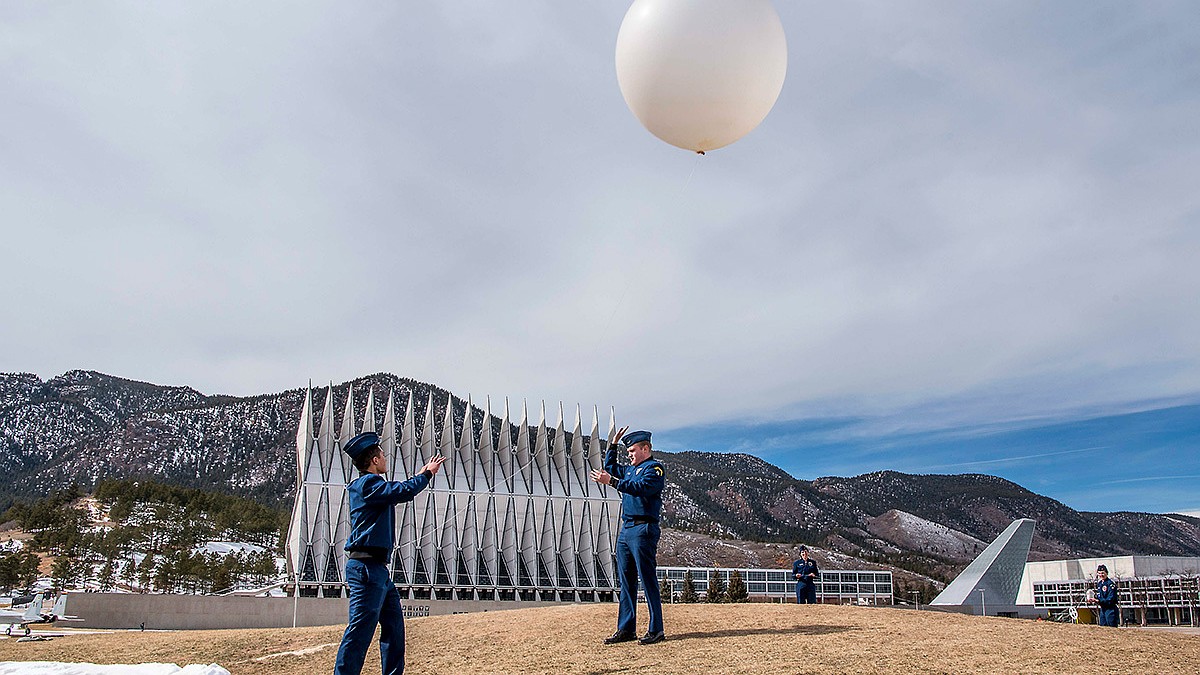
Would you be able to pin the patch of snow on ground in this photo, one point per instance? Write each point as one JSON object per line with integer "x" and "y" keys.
{"x": 52, "y": 668}
{"x": 227, "y": 547}
{"x": 298, "y": 652}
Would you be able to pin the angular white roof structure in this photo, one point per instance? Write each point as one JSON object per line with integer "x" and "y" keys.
{"x": 501, "y": 519}
{"x": 997, "y": 571}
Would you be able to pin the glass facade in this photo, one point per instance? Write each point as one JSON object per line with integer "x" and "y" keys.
{"x": 839, "y": 587}
{"x": 1159, "y": 599}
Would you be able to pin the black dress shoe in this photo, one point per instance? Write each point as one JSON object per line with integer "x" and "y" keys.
{"x": 651, "y": 638}
{"x": 620, "y": 636}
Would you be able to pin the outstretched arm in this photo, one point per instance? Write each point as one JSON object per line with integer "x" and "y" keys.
{"x": 382, "y": 491}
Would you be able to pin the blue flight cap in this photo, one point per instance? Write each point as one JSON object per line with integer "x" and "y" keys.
{"x": 803, "y": 548}
{"x": 356, "y": 446}
{"x": 633, "y": 438}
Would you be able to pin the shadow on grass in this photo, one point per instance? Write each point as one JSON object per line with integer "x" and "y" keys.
{"x": 732, "y": 632}
{"x": 747, "y": 632}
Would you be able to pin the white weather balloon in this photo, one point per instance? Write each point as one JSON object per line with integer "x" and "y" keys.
{"x": 700, "y": 74}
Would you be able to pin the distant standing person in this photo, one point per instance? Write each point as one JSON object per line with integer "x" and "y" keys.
{"x": 1106, "y": 598}
{"x": 373, "y": 596}
{"x": 806, "y": 574}
{"x": 641, "y": 486}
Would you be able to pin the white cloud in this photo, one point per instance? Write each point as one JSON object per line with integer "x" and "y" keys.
{"x": 992, "y": 206}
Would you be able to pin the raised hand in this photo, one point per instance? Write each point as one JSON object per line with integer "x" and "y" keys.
{"x": 617, "y": 439}
{"x": 434, "y": 464}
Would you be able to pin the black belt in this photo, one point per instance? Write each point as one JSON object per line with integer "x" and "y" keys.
{"x": 368, "y": 556}
{"x": 641, "y": 521}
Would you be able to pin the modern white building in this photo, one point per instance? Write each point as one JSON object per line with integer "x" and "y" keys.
{"x": 1151, "y": 589}
{"x": 512, "y": 515}
{"x": 1001, "y": 582}
{"x": 839, "y": 587}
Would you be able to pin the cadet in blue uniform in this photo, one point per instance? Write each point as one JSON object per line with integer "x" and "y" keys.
{"x": 806, "y": 574}
{"x": 373, "y": 596}
{"x": 1106, "y": 598}
{"x": 641, "y": 486}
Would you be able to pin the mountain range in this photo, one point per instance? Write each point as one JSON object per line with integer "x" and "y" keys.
{"x": 83, "y": 426}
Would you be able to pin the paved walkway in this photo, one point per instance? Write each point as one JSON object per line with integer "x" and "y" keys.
{"x": 1186, "y": 630}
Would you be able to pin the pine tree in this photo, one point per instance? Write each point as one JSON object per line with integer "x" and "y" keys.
{"x": 107, "y": 575}
{"x": 129, "y": 572}
{"x": 688, "y": 594}
{"x": 62, "y": 573}
{"x": 664, "y": 590}
{"x": 165, "y": 576}
{"x": 18, "y": 569}
{"x": 737, "y": 588}
{"x": 145, "y": 572}
{"x": 716, "y": 587}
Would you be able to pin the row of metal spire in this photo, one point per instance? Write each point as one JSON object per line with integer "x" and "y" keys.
{"x": 504, "y": 512}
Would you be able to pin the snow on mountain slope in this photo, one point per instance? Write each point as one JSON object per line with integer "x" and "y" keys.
{"x": 915, "y": 533}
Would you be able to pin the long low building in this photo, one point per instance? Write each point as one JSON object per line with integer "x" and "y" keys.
{"x": 1151, "y": 589}
{"x": 837, "y": 587}
{"x": 1002, "y": 582}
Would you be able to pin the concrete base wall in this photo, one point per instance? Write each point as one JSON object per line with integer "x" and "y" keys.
{"x": 1017, "y": 611}
{"x": 202, "y": 612}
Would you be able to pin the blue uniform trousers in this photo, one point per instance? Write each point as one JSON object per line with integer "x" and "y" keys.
{"x": 1107, "y": 617}
{"x": 806, "y": 593}
{"x": 373, "y": 600}
{"x": 637, "y": 555}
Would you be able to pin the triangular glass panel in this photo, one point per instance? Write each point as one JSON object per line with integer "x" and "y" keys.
{"x": 585, "y": 579}
{"x": 332, "y": 573}
{"x": 399, "y": 574}
{"x": 483, "y": 576}
{"x": 602, "y": 580}
{"x": 564, "y": 579}
{"x": 309, "y": 571}
{"x": 464, "y": 574}
{"x": 526, "y": 578}
{"x": 420, "y": 574}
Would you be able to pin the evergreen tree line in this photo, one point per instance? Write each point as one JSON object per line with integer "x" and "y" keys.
{"x": 922, "y": 592}
{"x": 718, "y": 590}
{"x": 926, "y": 564}
{"x": 153, "y": 540}
{"x": 250, "y": 520}
{"x": 18, "y": 569}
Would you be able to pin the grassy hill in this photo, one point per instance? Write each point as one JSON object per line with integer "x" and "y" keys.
{"x": 702, "y": 639}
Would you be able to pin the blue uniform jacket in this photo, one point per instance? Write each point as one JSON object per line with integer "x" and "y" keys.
{"x": 640, "y": 486}
{"x": 1106, "y": 594}
{"x": 805, "y": 567}
{"x": 372, "y": 519}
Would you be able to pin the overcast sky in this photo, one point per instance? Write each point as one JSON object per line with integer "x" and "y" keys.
{"x": 956, "y": 214}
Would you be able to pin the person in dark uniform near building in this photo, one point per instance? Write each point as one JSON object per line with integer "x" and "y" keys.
{"x": 1106, "y": 598}
{"x": 373, "y": 596}
{"x": 806, "y": 574}
{"x": 641, "y": 485}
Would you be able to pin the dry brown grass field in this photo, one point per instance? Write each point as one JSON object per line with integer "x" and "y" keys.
{"x": 751, "y": 638}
